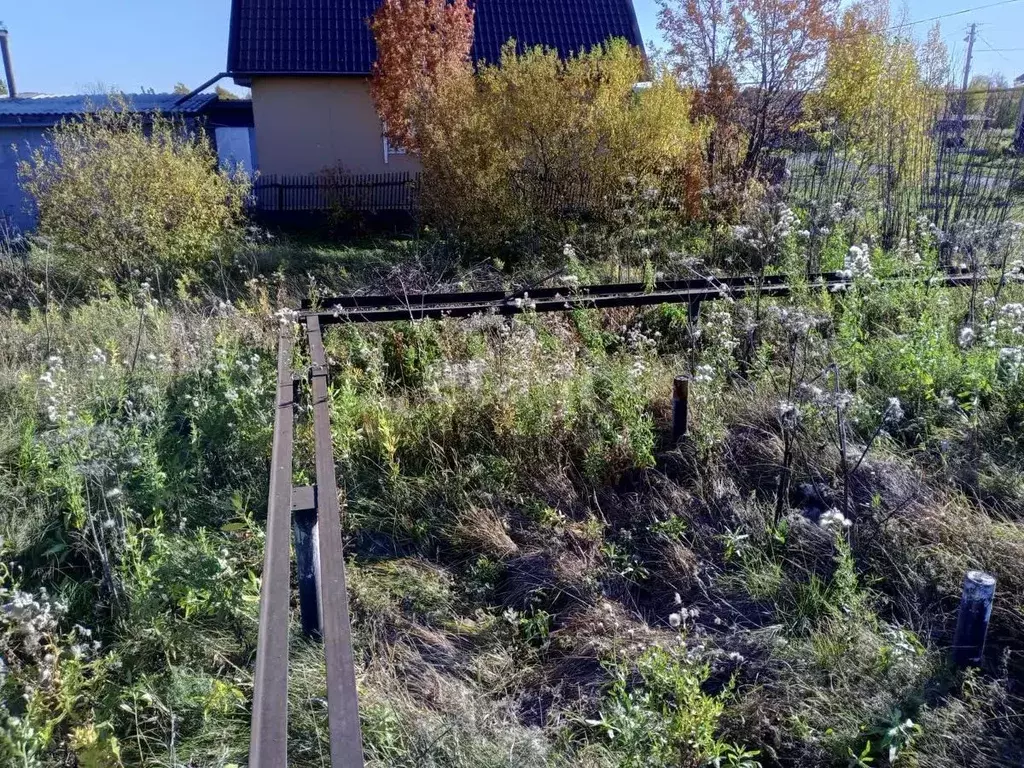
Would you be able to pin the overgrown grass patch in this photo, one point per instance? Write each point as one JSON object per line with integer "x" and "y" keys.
{"x": 538, "y": 575}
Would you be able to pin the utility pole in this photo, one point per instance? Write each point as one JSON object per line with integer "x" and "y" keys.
{"x": 967, "y": 64}
{"x": 962, "y": 122}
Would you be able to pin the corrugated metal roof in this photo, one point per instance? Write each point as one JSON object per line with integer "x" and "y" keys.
{"x": 67, "y": 106}
{"x": 333, "y": 36}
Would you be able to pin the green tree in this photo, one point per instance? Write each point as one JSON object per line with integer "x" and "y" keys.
{"x": 934, "y": 58}
{"x": 994, "y": 97}
{"x": 977, "y": 94}
{"x": 225, "y": 95}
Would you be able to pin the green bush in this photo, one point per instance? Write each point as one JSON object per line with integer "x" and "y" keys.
{"x": 666, "y": 718}
{"x": 122, "y": 194}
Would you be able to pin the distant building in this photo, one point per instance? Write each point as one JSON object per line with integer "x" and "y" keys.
{"x": 308, "y": 63}
{"x": 26, "y": 120}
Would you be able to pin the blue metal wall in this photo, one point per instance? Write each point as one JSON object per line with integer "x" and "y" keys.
{"x": 16, "y": 143}
{"x": 235, "y": 147}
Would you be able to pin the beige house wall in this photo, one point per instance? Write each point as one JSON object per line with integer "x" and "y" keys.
{"x": 306, "y": 125}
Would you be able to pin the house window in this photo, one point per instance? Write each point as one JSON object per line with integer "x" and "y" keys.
{"x": 390, "y": 148}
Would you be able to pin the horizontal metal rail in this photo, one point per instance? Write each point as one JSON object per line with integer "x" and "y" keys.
{"x": 592, "y": 297}
{"x": 412, "y": 300}
{"x": 380, "y": 301}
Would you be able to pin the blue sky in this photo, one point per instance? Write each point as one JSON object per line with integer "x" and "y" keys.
{"x": 73, "y": 46}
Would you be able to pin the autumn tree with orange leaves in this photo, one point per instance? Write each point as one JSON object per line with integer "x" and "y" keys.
{"x": 770, "y": 51}
{"x": 421, "y": 44}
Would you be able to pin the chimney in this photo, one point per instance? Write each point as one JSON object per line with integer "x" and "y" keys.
{"x": 5, "y": 50}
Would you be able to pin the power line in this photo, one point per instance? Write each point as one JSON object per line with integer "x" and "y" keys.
{"x": 988, "y": 47}
{"x": 956, "y": 13}
{"x": 904, "y": 25}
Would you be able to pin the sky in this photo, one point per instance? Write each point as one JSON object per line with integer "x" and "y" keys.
{"x": 82, "y": 46}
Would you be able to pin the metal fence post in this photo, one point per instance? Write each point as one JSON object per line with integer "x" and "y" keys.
{"x": 972, "y": 621}
{"x": 306, "y": 535}
{"x": 680, "y": 407}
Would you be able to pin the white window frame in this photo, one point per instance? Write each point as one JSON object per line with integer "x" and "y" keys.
{"x": 389, "y": 148}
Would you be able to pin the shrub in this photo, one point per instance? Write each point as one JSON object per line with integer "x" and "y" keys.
{"x": 121, "y": 192}
{"x": 666, "y": 719}
{"x": 541, "y": 141}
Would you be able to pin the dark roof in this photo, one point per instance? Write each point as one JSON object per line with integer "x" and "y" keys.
{"x": 48, "y": 110}
{"x": 332, "y": 37}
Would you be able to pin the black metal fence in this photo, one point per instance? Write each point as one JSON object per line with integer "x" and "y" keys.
{"x": 329, "y": 192}
{"x": 935, "y": 161}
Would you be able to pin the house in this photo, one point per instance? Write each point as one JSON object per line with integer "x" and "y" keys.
{"x": 308, "y": 64}
{"x": 26, "y": 119}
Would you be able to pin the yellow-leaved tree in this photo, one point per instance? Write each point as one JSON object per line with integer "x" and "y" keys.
{"x": 122, "y": 194}
{"x": 535, "y": 142}
{"x": 876, "y": 107}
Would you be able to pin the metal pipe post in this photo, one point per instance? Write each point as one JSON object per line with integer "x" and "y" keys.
{"x": 972, "y": 621}
{"x": 5, "y": 52}
{"x": 680, "y": 407}
{"x": 306, "y": 535}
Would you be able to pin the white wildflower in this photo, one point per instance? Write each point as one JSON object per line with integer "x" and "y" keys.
{"x": 789, "y": 414}
{"x": 1011, "y": 361}
{"x": 286, "y": 316}
{"x": 893, "y": 411}
{"x": 833, "y": 518}
{"x": 858, "y": 261}
{"x": 704, "y": 374}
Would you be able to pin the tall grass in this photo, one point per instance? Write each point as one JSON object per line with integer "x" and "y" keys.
{"x": 538, "y": 575}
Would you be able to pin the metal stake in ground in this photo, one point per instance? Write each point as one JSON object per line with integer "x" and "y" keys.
{"x": 972, "y": 622}
{"x": 306, "y": 535}
{"x": 680, "y": 407}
